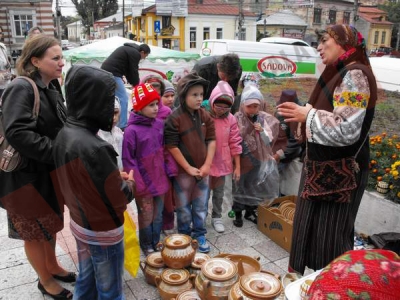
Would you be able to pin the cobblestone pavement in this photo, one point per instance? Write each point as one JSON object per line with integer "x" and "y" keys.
{"x": 19, "y": 281}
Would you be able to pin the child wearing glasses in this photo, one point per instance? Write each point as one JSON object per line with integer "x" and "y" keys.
{"x": 228, "y": 147}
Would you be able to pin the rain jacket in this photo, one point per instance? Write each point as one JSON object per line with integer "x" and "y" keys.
{"x": 228, "y": 139}
{"x": 191, "y": 133}
{"x": 87, "y": 166}
{"x": 143, "y": 151}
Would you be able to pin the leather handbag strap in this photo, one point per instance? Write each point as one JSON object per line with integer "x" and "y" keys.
{"x": 36, "y": 104}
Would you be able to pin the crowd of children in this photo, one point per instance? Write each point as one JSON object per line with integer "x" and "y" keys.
{"x": 181, "y": 157}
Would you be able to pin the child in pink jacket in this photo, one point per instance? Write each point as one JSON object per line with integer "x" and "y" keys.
{"x": 228, "y": 147}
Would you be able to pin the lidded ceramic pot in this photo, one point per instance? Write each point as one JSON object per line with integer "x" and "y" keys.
{"x": 178, "y": 250}
{"x": 216, "y": 278}
{"x": 188, "y": 295}
{"x": 172, "y": 282}
{"x": 152, "y": 267}
{"x": 245, "y": 264}
{"x": 256, "y": 286}
{"x": 199, "y": 259}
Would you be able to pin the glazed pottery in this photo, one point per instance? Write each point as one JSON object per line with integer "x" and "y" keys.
{"x": 172, "y": 282}
{"x": 305, "y": 286}
{"x": 256, "y": 286}
{"x": 199, "y": 259}
{"x": 245, "y": 264}
{"x": 178, "y": 250}
{"x": 152, "y": 267}
{"x": 188, "y": 295}
{"x": 382, "y": 187}
{"x": 216, "y": 278}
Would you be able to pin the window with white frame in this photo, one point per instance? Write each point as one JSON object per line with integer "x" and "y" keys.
{"x": 219, "y": 34}
{"x": 192, "y": 38}
{"x": 22, "y": 24}
{"x": 206, "y": 33}
{"x": 242, "y": 34}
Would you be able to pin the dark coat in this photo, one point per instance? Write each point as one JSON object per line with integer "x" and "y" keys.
{"x": 25, "y": 191}
{"x": 207, "y": 68}
{"x": 124, "y": 61}
{"x": 87, "y": 167}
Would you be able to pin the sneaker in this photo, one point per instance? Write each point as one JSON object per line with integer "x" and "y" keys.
{"x": 148, "y": 251}
{"x": 204, "y": 247}
{"x": 218, "y": 225}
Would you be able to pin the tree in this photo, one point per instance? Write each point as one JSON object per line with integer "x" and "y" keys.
{"x": 393, "y": 15}
{"x": 92, "y": 10}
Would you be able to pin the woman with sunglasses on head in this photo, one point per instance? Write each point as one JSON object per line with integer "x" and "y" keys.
{"x": 337, "y": 119}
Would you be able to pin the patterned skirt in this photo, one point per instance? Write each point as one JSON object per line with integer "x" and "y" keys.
{"x": 40, "y": 229}
{"x": 323, "y": 230}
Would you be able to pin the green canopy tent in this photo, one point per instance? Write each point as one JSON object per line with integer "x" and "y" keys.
{"x": 171, "y": 63}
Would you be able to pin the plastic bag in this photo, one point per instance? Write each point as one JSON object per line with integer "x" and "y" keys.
{"x": 131, "y": 244}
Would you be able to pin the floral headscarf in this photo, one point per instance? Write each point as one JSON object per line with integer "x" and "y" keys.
{"x": 359, "y": 274}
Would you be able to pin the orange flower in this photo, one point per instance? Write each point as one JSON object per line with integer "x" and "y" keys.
{"x": 387, "y": 170}
{"x": 373, "y": 162}
{"x": 384, "y": 134}
{"x": 394, "y": 156}
{"x": 379, "y": 178}
{"x": 375, "y": 171}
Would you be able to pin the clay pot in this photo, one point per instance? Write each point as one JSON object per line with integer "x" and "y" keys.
{"x": 216, "y": 278}
{"x": 199, "y": 259}
{"x": 172, "y": 282}
{"x": 152, "y": 267}
{"x": 245, "y": 264}
{"x": 178, "y": 250}
{"x": 256, "y": 286}
{"x": 188, "y": 295}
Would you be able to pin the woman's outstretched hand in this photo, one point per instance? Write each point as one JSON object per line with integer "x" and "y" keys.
{"x": 293, "y": 112}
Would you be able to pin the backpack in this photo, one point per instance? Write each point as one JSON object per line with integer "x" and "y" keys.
{"x": 10, "y": 159}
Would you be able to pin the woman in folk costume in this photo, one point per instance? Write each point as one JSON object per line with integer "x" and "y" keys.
{"x": 337, "y": 119}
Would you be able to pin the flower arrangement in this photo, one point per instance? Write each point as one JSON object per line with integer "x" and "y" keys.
{"x": 385, "y": 163}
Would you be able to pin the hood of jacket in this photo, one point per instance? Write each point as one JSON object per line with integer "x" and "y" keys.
{"x": 133, "y": 45}
{"x": 187, "y": 82}
{"x": 222, "y": 90}
{"x": 139, "y": 119}
{"x": 90, "y": 96}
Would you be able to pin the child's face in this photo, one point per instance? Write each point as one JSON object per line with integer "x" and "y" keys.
{"x": 157, "y": 87}
{"x": 252, "y": 109}
{"x": 168, "y": 99}
{"x": 221, "y": 108}
{"x": 194, "y": 97}
{"x": 150, "y": 110}
{"x": 116, "y": 116}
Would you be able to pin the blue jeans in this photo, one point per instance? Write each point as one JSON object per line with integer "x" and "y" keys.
{"x": 101, "y": 270}
{"x": 150, "y": 220}
{"x": 191, "y": 198}
{"x": 122, "y": 95}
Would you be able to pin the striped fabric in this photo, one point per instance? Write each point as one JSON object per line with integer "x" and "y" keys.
{"x": 97, "y": 238}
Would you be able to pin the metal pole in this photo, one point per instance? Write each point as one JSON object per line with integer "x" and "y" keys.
{"x": 265, "y": 27}
{"x": 123, "y": 18}
{"x": 398, "y": 37}
{"x": 355, "y": 12}
{"x": 240, "y": 18}
{"x": 58, "y": 21}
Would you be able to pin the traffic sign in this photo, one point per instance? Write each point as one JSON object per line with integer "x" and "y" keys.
{"x": 157, "y": 27}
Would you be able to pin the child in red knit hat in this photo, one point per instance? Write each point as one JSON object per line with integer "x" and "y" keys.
{"x": 143, "y": 152}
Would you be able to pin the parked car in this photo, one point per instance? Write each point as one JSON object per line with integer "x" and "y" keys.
{"x": 65, "y": 45}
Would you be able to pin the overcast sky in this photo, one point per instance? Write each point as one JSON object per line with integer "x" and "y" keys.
{"x": 68, "y": 9}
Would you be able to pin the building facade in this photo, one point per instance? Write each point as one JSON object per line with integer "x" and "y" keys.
{"x": 17, "y": 17}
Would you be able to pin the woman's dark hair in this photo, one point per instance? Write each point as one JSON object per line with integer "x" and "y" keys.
{"x": 34, "y": 47}
{"x": 145, "y": 48}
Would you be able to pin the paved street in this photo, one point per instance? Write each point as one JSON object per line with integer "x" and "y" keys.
{"x": 19, "y": 281}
